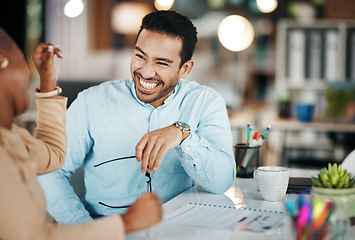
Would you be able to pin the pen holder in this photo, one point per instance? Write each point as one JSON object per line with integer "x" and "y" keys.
{"x": 247, "y": 159}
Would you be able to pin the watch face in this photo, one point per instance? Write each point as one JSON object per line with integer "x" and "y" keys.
{"x": 184, "y": 126}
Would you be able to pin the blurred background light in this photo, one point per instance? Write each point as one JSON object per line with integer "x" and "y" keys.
{"x": 73, "y": 8}
{"x": 216, "y": 4}
{"x": 235, "y": 33}
{"x": 235, "y": 2}
{"x": 266, "y": 6}
{"x": 163, "y": 4}
{"x": 126, "y": 17}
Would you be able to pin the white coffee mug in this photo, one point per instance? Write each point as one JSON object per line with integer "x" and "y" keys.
{"x": 272, "y": 182}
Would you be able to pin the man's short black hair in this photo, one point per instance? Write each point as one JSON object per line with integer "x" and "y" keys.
{"x": 176, "y": 25}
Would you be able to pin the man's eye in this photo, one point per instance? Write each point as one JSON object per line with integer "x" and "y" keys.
{"x": 162, "y": 63}
{"x": 139, "y": 56}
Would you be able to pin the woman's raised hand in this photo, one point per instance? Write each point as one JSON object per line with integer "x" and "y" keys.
{"x": 43, "y": 60}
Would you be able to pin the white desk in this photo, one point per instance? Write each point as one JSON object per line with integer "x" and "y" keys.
{"x": 243, "y": 193}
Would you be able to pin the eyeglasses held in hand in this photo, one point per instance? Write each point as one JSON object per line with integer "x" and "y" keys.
{"x": 147, "y": 174}
{"x": 149, "y": 181}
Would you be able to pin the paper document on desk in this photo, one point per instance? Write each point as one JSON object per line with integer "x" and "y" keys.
{"x": 223, "y": 217}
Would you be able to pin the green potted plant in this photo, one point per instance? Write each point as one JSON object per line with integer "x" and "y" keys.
{"x": 337, "y": 185}
{"x": 340, "y": 103}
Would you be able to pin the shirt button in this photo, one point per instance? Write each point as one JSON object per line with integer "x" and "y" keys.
{"x": 155, "y": 111}
{"x": 187, "y": 149}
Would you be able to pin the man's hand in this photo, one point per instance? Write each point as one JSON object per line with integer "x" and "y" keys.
{"x": 43, "y": 61}
{"x": 145, "y": 212}
{"x": 153, "y": 147}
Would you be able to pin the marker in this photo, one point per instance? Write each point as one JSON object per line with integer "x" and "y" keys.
{"x": 292, "y": 208}
{"x": 266, "y": 131}
{"x": 254, "y": 140}
{"x": 260, "y": 141}
{"x": 303, "y": 218}
{"x": 248, "y": 133}
{"x": 249, "y": 155}
{"x": 320, "y": 220}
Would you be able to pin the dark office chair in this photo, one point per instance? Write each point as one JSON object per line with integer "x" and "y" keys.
{"x": 72, "y": 88}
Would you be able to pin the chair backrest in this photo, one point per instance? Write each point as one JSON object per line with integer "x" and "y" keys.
{"x": 349, "y": 163}
{"x": 71, "y": 88}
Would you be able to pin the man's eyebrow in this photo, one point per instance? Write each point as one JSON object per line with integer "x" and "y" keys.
{"x": 159, "y": 59}
{"x": 165, "y": 60}
{"x": 137, "y": 48}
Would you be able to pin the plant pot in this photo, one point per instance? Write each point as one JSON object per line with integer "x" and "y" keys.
{"x": 341, "y": 197}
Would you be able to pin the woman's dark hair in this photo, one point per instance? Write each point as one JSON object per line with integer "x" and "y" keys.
{"x": 3, "y": 37}
{"x": 176, "y": 25}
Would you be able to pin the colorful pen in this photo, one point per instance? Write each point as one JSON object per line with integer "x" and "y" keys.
{"x": 254, "y": 140}
{"x": 248, "y": 133}
{"x": 266, "y": 131}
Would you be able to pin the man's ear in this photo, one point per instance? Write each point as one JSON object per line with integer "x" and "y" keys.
{"x": 186, "y": 68}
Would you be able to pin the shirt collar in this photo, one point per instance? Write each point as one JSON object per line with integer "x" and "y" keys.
{"x": 166, "y": 101}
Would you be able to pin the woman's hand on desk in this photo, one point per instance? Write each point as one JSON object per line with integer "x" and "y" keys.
{"x": 145, "y": 212}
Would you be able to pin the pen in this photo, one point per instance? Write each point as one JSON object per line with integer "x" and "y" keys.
{"x": 252, "y": 153}
{"x": 303, "y": 219}
{"x": 266, "y": 131}
{"x": 247, "y": 152}
{"x": 320, "y": 220}
{"x": 248, "y": 133}
{"x": 260, "y": 141}
{"x": 254, "y": 140}
{"x": 317, "y": 206}
{"x": 256, "y": 151}
{"x": 292, "y": 208}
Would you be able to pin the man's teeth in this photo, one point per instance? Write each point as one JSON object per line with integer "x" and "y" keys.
{"x": 148, "y": 85}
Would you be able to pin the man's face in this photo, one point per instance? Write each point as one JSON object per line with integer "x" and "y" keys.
{"x": 155, "y": 66}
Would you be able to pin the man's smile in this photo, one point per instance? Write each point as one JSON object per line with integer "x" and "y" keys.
{"x": 147, "y": 86}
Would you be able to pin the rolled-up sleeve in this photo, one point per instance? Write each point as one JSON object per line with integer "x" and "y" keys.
{"x": 207, "y": 154}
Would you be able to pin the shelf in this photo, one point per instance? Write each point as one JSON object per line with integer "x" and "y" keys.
{"x": 309, "y": 84}
{"x": 295, "y": 125}
{"x": 311, "y": 55}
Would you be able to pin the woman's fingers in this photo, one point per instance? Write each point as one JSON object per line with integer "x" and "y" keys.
{"x": 42, "y": 50}
{"x": 58, "y": 52}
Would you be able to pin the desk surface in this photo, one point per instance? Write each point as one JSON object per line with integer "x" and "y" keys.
{"x": 243, "y": 194}
{"x": 237, "y": 196}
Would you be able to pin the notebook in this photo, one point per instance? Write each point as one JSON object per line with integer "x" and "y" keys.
{"x": 224, "y": 217}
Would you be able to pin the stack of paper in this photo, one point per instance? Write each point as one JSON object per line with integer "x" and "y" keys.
{"x": 222, "y": 217}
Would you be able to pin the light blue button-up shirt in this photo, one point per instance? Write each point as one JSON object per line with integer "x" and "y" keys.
{"x": 106, "y": 122}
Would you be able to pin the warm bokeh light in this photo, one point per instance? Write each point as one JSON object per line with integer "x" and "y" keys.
{"x": 126, "y": 17}
{"x": 73, "y": 8}
{"x": 216, "y": 4}
{"x": 266, "y": 6}
{"x": 163, "y": 4}
{"x": 235, "y": 33}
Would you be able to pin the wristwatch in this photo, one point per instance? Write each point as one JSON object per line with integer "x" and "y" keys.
{"x": 183, "y": 126}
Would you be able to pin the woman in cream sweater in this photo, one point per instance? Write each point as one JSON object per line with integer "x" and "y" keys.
{"x": 23, "y": 157}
